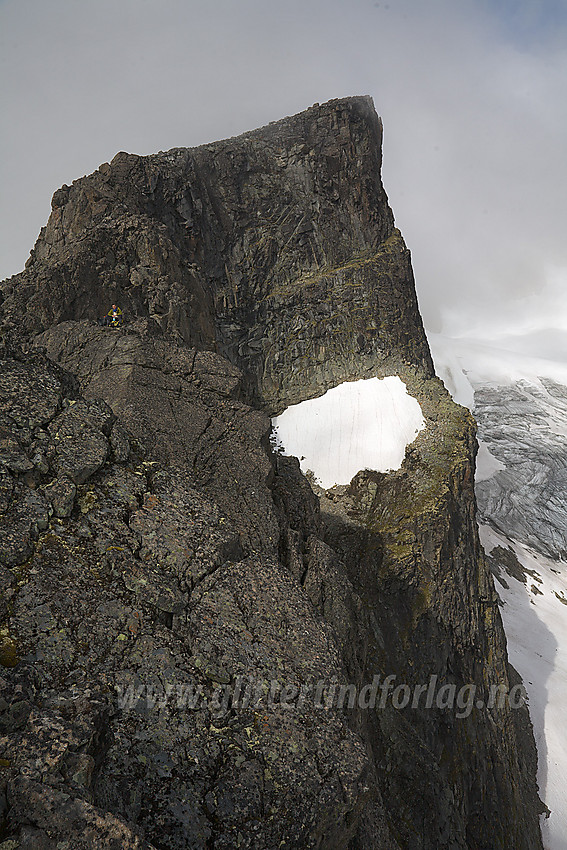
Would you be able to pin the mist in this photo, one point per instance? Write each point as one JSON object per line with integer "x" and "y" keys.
{"x": 472, "y": 96}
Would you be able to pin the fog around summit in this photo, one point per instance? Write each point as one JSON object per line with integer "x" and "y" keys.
{"x": 472, "y": 96}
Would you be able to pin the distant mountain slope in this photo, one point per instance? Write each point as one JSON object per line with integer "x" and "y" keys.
{"x": 520, "y": 404}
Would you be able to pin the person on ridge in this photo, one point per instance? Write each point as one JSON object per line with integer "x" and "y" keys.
{"x": 114, "y": 317}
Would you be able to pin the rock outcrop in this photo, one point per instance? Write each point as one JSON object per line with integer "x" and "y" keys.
{"x": 192, "y": 638}
{"x": 277, "y": 249}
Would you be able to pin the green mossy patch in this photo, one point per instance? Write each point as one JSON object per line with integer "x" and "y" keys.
{"x": 8, "y": 651}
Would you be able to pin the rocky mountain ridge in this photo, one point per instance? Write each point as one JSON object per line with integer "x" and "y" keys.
{"x": 168, "y": 548}
{"x": 277, "y": 249}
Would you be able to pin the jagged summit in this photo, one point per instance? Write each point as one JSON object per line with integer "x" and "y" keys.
{"x": 294, "y": 126}
{"x": 276, "y": 248}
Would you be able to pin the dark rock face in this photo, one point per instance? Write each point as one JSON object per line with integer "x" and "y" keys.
{"x": 181, "y": 612}
{"x": 276, "y": 248}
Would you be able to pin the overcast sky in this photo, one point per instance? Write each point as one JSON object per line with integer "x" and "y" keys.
{"x": 473, "y": 95}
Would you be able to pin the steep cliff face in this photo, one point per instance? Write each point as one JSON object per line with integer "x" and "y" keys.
{"x": 185, "y": 609}
{"x": 277, "y": 249}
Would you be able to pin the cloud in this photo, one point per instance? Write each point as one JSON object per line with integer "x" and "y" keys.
{"x": 471, "y": 94}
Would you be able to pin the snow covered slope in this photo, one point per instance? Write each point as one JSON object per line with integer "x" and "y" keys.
{"x": 534, "y": 593}
{"x": 520, "y": 403}
{"x": 364, "y": 424}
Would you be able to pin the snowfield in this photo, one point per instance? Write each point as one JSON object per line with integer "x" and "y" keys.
{"x": 365, "y": 424}
{"x": 525, "y": 418}
{"x": 535, "y": 621}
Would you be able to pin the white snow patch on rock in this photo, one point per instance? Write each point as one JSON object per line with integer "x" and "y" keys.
{"x": 486, "y": 464}
{"x": 365, "y": 424}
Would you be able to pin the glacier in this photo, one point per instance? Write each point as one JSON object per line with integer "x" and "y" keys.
{"x": 520, "y": 403}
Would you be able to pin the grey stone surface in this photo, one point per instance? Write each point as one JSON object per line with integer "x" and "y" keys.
{"x": 61, "y": 495}
{"x": 142, "y": 634}
{"x": 81, "y": 446}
